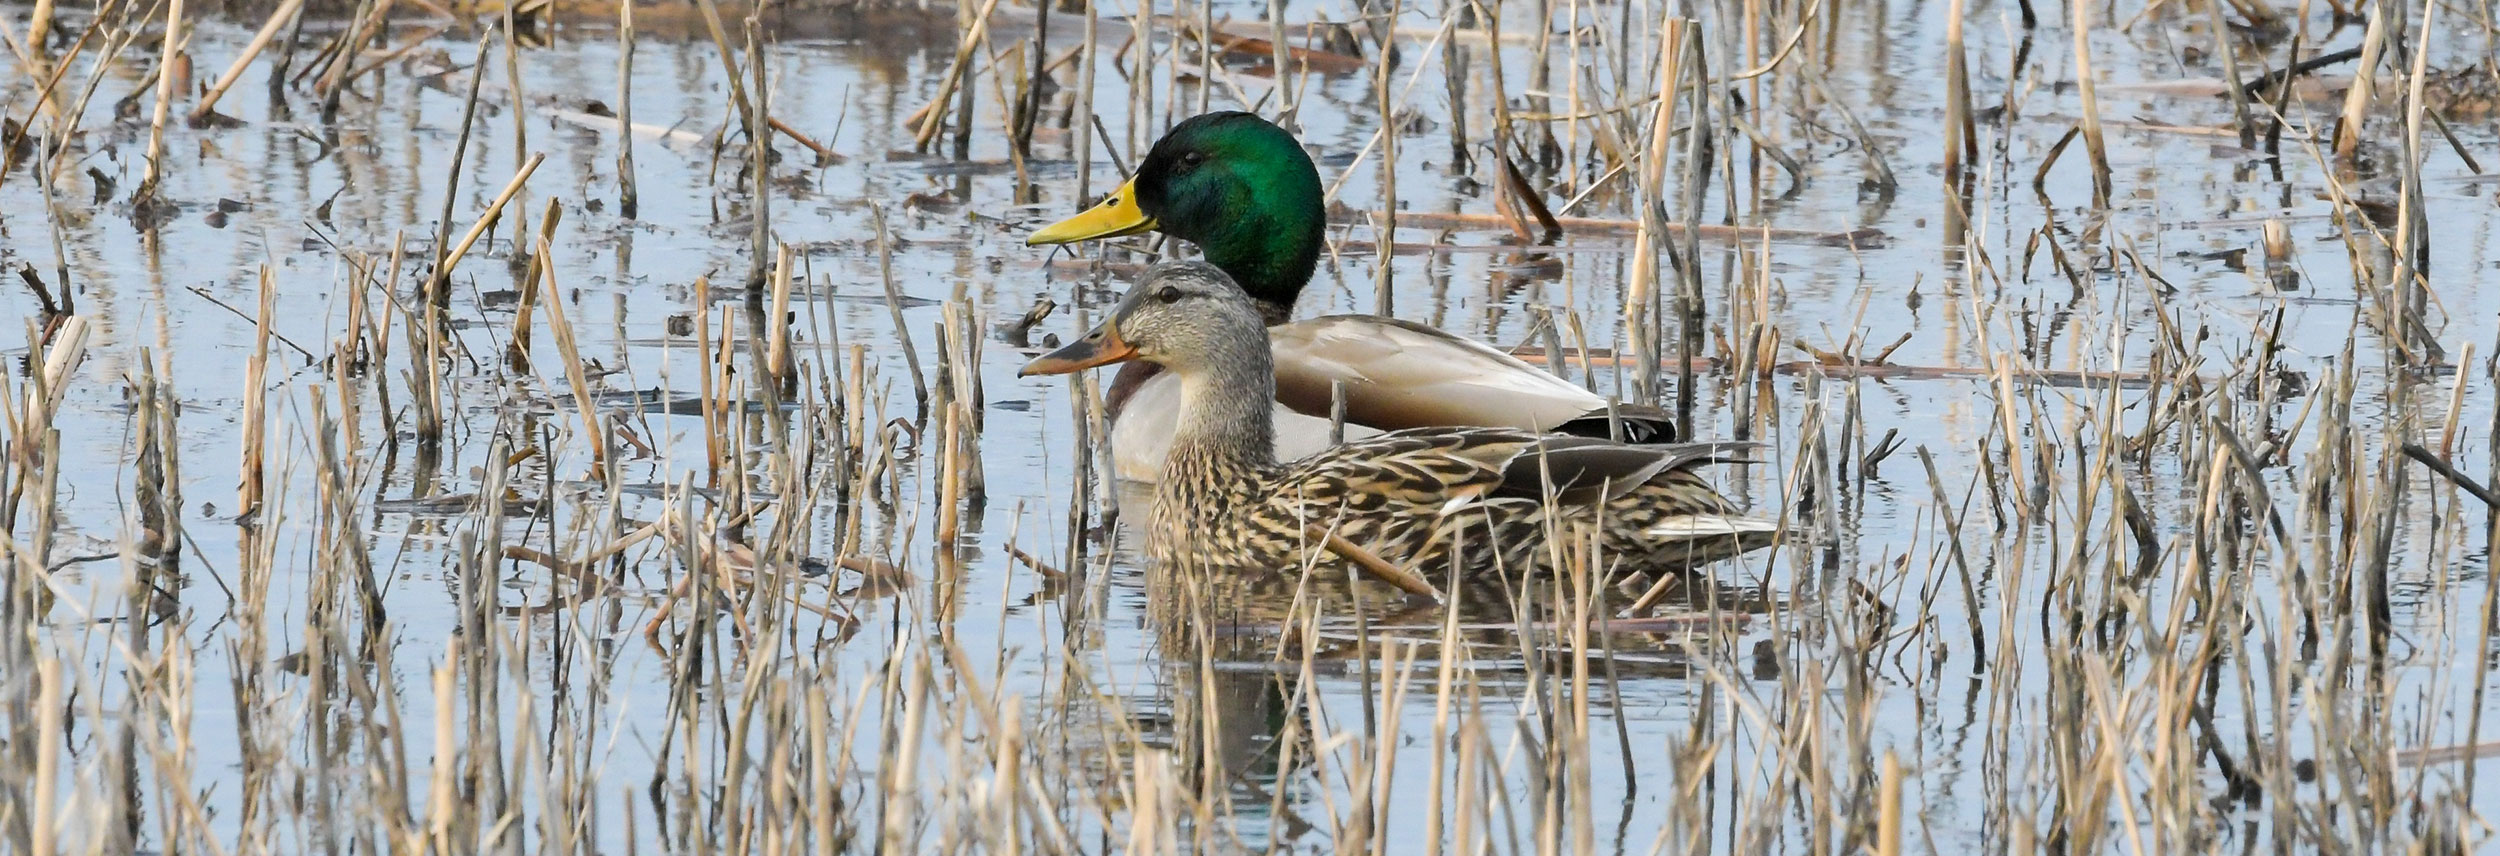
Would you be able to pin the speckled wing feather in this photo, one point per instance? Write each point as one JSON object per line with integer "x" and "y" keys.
{"x": 1480, "y": 496}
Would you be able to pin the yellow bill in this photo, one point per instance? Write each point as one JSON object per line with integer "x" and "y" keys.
{"x": 1117, "y": 216}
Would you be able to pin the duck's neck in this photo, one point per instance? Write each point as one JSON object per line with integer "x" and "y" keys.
{"x": 1226, "y": 429}
{"x": 1273, "y": 273}
{"x": 1271, "y": 250}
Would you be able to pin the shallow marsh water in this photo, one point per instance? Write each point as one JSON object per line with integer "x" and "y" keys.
{"x": 1814, "y": 662}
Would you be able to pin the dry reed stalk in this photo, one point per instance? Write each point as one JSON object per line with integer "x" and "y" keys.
{"x": 759, "y": 165}
{"x": 522, "y": 315}
{"x": 378, "y": 338}
{"x": 1961, "y": 133}
{"x": 38, "y": 33}
{"x": 2357, "y": 97}
{"x": 926, "y": 121}
{"x": 438, "y": 288}
{"x": 145, "y": 197}
{"x": 1371, "y": 563}
{"x": 1081, "y": 110}
{"x": 974, "y": 399}
{"x": 2079, "y": 18}
{"x": 2456, "y": 403}
{"x": 339, "y": 54}
{"x": 568, "y": 350}
{"x": 1689, "y": 302}
{"x": 519, "y": 99}
{"x": 49, "y": 714}
{"x": 2412, "y": 248}
{"x": 379, "y": 60}
{"x": 63, "y": 349}
{"x": 62, "y": 122}
{"x": 1386, "y": 225}
{"x": 948, "y": 452}
{"x": 629, "y": 196}
{"x": 260, "y": 40}
{"x": 747, "y": 108}
{"x": 440, "y": 284}
{"x": 1640, "y": 294}
{"x": 249, "y": 494}
{"x": 779, "y": 367}
{"x": 707, "y": 382}
{"x": 894, "y": 310}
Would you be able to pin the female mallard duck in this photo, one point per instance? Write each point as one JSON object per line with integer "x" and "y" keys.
{"x": 1426, "y": 498}
{"x": 1245, "y": 192}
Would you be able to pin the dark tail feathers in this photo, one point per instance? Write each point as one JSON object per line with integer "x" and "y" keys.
{"x": 1640, "y": 424}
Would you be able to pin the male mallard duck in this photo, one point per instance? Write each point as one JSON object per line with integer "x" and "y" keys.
{"x": 1425, "y": 498}
{"x": 1244, "y": 191}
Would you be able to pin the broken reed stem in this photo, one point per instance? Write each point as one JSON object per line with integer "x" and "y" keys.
{"x": 760, "y": 167}
{"x": 561, "y": 328}
{"x": 438, "y": 287}
{"x": 522, "y": 315}
{"x": 520, "y": 130}
{"x": 146, "y": 195}
{"x": 894, "y": 309}
{"x": 930, "y": 118}
{"x": 248, "y": 495}
{"x": 260, "y": 40}
{"x": 1959, "y": 141}
{"x": 747, "y": 108}
{"x": 38, "y": 31}
{"x": 342, "y": 69}
{"x": 2081, "y": 18}
{"x": 778, "y": 368}
{"x": 629, "y": 197}
{"x": 2438, "y": 464}
{"x": 2348, "y": 125}
{"x": 1371, "y": 563}
{"x": 951, "y": 428}
{"x": 441, "y": 283}
{"x": 1640, "y": 296}
{"x": 2410, "y": 294}
{"x": 1383, "y": 296}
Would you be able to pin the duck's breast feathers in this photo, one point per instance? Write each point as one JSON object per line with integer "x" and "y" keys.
{"x": 1402, "y": 375}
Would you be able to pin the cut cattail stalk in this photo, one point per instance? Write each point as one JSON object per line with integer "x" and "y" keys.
{"x": 146, "y": 196}
{"x": 255, "y": 407}
{"x": 485, "y": 221}
{"x": 567, "y": 350}
{"x": 2085, "y": 89}
{"x": 629, "y": 199}
{"x": 2357, "y": 99}
{"x": 777, "y": 362}
{"x": 260, "y": 40}
{"x": 521, "y": 317}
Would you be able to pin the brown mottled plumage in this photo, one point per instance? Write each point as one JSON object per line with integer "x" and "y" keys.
{"x": 1488, "y": 500}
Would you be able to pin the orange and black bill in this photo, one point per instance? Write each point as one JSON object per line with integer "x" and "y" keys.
{"x": 1101, "y": 347}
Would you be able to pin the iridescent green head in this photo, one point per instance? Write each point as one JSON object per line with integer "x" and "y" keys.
{"x": 1239, "y": 187}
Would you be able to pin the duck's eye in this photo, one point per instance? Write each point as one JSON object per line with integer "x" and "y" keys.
{"x": 1193, "y": 159}
{"x": 1169, "y": 294}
